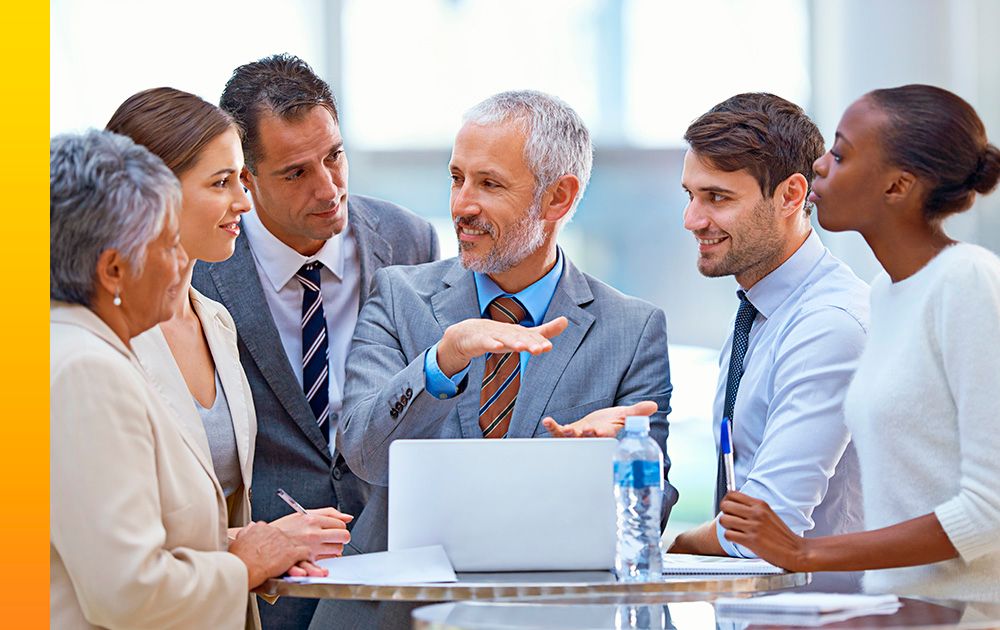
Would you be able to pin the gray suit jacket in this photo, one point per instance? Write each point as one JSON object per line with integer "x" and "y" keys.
{"x": 614, "y": 352}
{"x": 291, "y": 452}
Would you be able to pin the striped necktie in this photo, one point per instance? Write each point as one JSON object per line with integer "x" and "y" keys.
{"x": 741, "y": 339}
{"x": 315, "y": 349}
{"x": 502, "y": 377}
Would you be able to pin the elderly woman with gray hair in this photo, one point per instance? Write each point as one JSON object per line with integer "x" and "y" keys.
{"x": 138, "y": 521}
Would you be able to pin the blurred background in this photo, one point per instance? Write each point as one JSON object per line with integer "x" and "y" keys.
{"x": 637, "y": 71}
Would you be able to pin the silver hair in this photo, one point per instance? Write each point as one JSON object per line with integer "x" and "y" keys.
{"x": 557, "y": 144}
{"x": 105, "y": 192}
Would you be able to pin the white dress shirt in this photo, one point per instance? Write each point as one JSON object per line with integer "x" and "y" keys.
{"x": 340, "y": 280}
{"x": 790, "y": 442}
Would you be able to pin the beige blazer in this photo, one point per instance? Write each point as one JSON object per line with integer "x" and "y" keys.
{"x": 220, "y": 332}
{"x": 138, "y": 519}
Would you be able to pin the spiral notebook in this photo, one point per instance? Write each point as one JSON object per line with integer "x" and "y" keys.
{"x": 687, "y": 564}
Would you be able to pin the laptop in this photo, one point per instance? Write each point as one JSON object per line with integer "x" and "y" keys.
{"x": 506, "y": 505}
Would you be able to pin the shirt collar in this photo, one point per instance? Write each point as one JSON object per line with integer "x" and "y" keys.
{"x": 774, "y": 288}
{"x": 534, "y": 298}
{"x": 280, "y": 262}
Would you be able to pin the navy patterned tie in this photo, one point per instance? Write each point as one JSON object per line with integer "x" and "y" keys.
{"x": 315, "y": 349}
{"x": 741, "y": 338}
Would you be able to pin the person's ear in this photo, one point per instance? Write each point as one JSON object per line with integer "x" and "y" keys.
{"x": 110, "y": 271}
{"x": 790, "y": 195}
{"x": 559, "y": 198}
{"x": 901, "y": 188}
{"x": 249, "y": 181}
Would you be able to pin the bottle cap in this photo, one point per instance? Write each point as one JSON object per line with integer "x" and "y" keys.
{"x": 637, "y": 423}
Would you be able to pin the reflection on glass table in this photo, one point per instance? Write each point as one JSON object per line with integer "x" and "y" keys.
{"x": 553, "y": 586}
{"x": 913, "y": 613}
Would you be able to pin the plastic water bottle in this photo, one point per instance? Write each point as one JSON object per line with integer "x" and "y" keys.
{"x": 639, "y": 495}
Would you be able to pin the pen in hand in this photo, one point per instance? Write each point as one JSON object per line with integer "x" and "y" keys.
{"x": 726, "y": 446}
{"x": 292, "y": 503}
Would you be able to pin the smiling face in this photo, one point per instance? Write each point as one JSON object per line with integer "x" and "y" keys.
{"x": 493, "y": 201}
{"x": 213, "y": 200}
{"x": 148, "y": 298}
{"x": 852, "y": 176}
{"x": 300, "y": 187}
{"x": 738, "y": 230}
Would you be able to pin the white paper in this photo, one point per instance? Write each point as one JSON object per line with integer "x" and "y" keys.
{"x": 405, "y": 566}
{"x": 689, "y": 564}
{"x": 806, "y": 608}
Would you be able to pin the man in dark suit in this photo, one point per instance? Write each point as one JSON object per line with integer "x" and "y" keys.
{"x": 295, "y": 285}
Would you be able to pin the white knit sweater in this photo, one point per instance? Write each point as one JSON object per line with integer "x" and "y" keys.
{"x": 924, "y": 412}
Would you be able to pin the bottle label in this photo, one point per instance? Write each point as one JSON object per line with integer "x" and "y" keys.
{"x": 639, "y": 474}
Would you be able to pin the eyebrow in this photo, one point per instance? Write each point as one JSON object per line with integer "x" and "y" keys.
{"x": 223, "y": 171}
{"x": 481, "y": 172}
{"x": 293, "y": 167}
{"x": 712, "y": 189}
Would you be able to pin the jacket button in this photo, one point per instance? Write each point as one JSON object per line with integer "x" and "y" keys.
{"x": 409, "y": 393}
{"x": 338, "y": 474}
{"x": 393, "y": 413}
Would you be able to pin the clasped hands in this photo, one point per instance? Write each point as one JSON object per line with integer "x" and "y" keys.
{"x": 473, "y": 338}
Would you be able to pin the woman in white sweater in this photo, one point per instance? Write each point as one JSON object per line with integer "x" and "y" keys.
{"x": 922, "y": 406}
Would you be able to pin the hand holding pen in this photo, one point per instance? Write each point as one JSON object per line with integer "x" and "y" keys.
{"x": 323, "y": 530}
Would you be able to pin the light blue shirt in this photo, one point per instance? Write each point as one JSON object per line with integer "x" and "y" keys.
{"x": 535, "y": 299}
{"x": 790, "y": 443}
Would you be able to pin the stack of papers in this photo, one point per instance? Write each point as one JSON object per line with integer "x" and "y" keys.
{"x": 406, "y": 566}
{"x": 687, "y": 564}
{"x": 811, "y": 609}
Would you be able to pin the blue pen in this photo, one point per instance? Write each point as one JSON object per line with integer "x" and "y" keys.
{"x": 726, "y": 446}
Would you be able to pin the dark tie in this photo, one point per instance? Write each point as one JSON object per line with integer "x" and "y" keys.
{"x": 502, "y": 376}
{"x": 315, "y": 349}
{"x": 741, "y": 337}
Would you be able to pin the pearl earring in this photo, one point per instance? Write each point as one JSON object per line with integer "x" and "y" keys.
{"x": 118, "y": 299}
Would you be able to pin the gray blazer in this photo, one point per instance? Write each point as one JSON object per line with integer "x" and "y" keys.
{"x": 614, "y": 352}
{"x": 291, "y": 452}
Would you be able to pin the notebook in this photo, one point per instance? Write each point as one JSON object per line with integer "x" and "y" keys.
{"x": 687, "y": 564}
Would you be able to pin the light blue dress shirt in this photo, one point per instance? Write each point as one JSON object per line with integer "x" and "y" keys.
{"x": 790, "y": 442}
{"x": 535, "y": 299}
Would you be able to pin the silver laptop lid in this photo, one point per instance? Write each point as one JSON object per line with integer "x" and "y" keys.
{"x": 506, "y": 505}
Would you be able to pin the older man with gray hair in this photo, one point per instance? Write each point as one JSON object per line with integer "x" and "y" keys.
{"x": 508, "y": 333}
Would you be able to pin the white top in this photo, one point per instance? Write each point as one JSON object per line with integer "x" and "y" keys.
{"x": 340, "y": 280}
{"x": 922, "y": 410}
{"x": 790, "y": 444}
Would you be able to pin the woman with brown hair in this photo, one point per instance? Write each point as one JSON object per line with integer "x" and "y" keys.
{"x": 921, "y": 407}
{"x": 193, "y": 357}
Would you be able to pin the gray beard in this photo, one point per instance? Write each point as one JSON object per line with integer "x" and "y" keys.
{"x": 521, "y": 241}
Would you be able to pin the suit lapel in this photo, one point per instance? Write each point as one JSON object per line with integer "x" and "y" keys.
{"x": 239, "y": 287}
{"x": 161, "y": 370}
{"x": 544, "y": 371}
{"x": 222, "y": 343}
{"x": 458, "y": 302}
{"x": 374, "y": 251}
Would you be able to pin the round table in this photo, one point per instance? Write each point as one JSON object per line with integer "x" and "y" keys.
{"x": 689, "y": 615}
{"x": 563, "y": 586}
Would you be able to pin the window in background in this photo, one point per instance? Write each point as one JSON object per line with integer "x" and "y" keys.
{"x": 407, "y": 80}
{"x": 681, "y": 58}
{"x": 103, "y": 52}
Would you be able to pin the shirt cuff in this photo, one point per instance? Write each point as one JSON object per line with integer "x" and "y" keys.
{"x": 436, "y": 382}
{"x": 732, "y": 549}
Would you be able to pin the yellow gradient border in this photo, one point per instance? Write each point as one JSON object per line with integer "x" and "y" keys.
{"x": 24, "y": 426}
